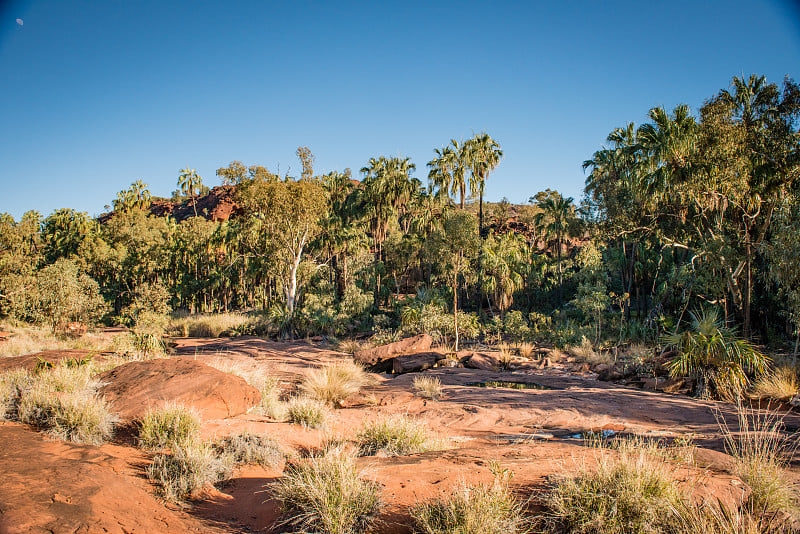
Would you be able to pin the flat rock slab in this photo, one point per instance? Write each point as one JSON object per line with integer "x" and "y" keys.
{"x": 134, "y": 387}
{"x": 29, "y": 361}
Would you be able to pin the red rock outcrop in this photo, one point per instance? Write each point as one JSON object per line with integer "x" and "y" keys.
{"x": 134, "y": 387}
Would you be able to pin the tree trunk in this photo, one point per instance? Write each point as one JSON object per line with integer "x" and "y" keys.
{"x": 455, "y": 313}
{"x": 480, "y": 212}
{"x": 748, "y": 289}
{"x": 462, "y": 195}
{"x": 560, "y": 286}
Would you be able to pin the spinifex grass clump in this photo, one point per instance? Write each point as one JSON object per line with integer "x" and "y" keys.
{"x": 631, "y": 493}
{"x": 188, "y": 468}
{"x": 477, "y": 509}
{"x": 62, "y": 400}
{"x": 248, "y": 448}
{"x": 327, "y": 494}
{"x": 761, "y": 451}
{"x": 310, "y": 413}
{"x": 334, "y": 382}
{"x": 779, "y": 383}
{"x": 167, "y": 425}
{"x": 428, "y": 387}
{"x": 394, "y": 436}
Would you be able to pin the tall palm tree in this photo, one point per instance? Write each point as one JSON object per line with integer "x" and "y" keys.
{"x": 387, "y": 187}
{"x": 504, "y": 260}
{"x": 190, "y": 182}
{"x": 555, "y": 221}
{"x": 483, "y": 156}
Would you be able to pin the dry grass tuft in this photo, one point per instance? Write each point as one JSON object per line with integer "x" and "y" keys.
{"x": 62, "y": 401}
{"x": 168, "y": 425}
{"x": 311, "y": 413}
{"x": 472, "y": 510}
{"x": 188, "y": 468}
{"x": 211, "y": 325}
{"x": 428, "y": 387}
{"x": 761, "y": 451}
{"x": 351, "y": 346}
{"x": 396, "y": 435}
{"x": 334, "y": 382}
{"x": 526, "y": 349}
{"x": 248, "y": 448}
{"x": 779, "y": 383}
{"x": 31, "y": 339}
{"x": 585, "y": 353}
{"x": 327, "y": 494}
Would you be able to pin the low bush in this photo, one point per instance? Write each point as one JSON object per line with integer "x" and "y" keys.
{"x": 308, "y": 412}
{"x": 394, "y": 436}
{"x": 428, "y": 387}
{"x": 334, "y": 382}
{"x": 188, "y": 468}
{"x": 585, "y": 353}
{"x": 327, "y": 494}
{"x": 248, "y": 448}
{"x": 12, "y": 384}
{"x": 167, "y": 425}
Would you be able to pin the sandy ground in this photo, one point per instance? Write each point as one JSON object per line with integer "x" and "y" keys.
{"x": 51, "y": 486}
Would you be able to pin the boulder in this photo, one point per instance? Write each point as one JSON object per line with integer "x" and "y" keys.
{"x": 412, "y": 363}
{"x": 667, "y": 385}
{"x": 483, "y": 361}
{"x": 376, "y": 357}
{"x": 134, "y": 387}
{"x": 72, "y": 330}
{"x": 4, "y": 336}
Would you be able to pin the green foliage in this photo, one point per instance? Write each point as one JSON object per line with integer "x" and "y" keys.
{"x": 57, "y": 294}
{"x": 710, "y": 350}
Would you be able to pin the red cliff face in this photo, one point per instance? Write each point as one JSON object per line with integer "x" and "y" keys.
{"x": 218, "y": 205}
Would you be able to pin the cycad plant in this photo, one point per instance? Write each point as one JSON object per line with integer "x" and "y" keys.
{"x": 712, "y": 353}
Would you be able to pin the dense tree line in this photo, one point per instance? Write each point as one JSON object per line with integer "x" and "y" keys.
{"x": 680, "y": 213}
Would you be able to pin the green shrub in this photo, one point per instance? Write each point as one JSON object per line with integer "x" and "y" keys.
{"x": 167, "y": 425}
{"x": 310, "y": 413}
{"x": 394, "y": 436}
{"x": 326, "y": 494}
{"x": 248, "y": 448}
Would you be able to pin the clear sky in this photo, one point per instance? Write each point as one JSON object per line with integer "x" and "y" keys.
{"x": 94, "y": 95}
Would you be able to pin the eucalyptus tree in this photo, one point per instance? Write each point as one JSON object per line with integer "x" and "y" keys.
{"x": 457, "y": 245}
{"x": 483, "y": 156}
{"x": 190, "y": 183}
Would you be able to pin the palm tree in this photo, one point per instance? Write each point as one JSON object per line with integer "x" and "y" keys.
{"x": 448, "y": 170}
{"x": 503, "y": 264}
{"x": 483, "y": 156}
{"x": 387, "y": 187}
{"x": 556, "y": 220}
{"x": 189, "y": 182}
{"x": 710, "y": 351}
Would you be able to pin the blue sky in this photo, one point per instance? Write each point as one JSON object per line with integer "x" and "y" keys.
{"x": 95, "y": 95}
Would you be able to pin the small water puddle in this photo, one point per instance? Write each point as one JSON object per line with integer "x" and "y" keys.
{"x": 508, "y": 385}
{"x": 591, "y": 434}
